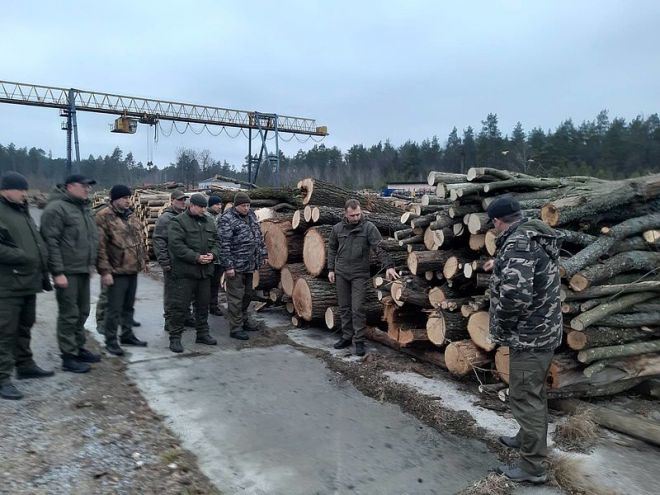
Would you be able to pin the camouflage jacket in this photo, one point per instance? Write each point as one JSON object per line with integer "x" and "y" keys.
{"x": 160, "y": 236}
{"x": 525, "y": 309}
{"x": 122, "y": 249}
{"x": 349, "y": 247}
{"x": 188, "y": 237}
{"x": 68, "y": 227}
{"x": 241, "y": 243}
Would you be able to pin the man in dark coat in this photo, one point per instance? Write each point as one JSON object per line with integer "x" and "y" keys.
{"x": 350, "y": 243}
{"x": 68, "y": 227}
{"x": 23, "y": 273}
{"x": 193, "y": 247}
{"x": 213, "y": 211}
{"x": 525, "y": 315}
{"x": 242, "y": 251}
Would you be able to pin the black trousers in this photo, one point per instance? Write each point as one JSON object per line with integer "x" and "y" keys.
{"x": 121, "y": 306}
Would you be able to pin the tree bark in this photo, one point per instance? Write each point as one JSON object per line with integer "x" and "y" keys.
{"x": 283, "y": 244}
{"x": 493, "y": 174}
{"x": 443, "y": 327}
{"x": 611, "y": 290}
{"x": 632, "y": 261}
{"x": 633, "y": 349}
{"x": 445, "y": 177}
{"x": 319, "y": 192}
{"x": 463, "y": 356}
{"x": 502, "y": 363}
{"x": 599, "y": 312}
{"x": 422, "y": 261}
{"x": 298, "y": 223}
{"x": 589, "y": 390}
{"x": 265, "y": 278}
{"x": 631, "y": 320}
{"x": 281, "y": 194}
{"x": 289, "y": 274}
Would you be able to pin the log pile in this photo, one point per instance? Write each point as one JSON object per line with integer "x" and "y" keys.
{"x": 147, "y": 205}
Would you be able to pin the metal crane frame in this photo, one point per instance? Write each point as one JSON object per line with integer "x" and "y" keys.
{"x": 150, "y": 111}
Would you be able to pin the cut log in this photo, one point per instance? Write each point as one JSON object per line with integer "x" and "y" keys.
{"x": 422, "y": 261}
{"x": 491, "y": 174}
{"x": 593, "y": 251}
{"x": 454, "y": 265}
{"x": 477, "y": 242}
{"x": 282, "y": 194}
{"x": 589, "y": 390}
{"x": 445, "y": 177}
{"x": 632, "y": 320}
{"x": 315, "y": 249}
{"x": 265, "y": 278}
{"x": 410, "y": 290}
{"x": 610, "y": 290}
{"x": 478, "y": 223}
{"x": 614, "y": 306}
{"x": 289, "y": 274}
{"x": 652, "y": 236}
{"x": 298, "y": 223}
{"x": 284, "y": 245}
{"x": 415, "y": 239}
{"x": 423, "y": 222}
{"x": 631, "y": 349}
{"x": 482, "y": 280}
{"x": 431, "y": 200}
{"x": 645, "y": 261}
{"x": 576, "y": 238}
{"x": 391, "y": 245}
{"x": 319, "y": 192}
{"x": 463, "y": 356}
{"x": 443, "y": 327}
{"x": 563, "y": 372}
{"x": 479, "y": 332}
{"x": 403, "y": 324}
{"x": 439, "y": 294}
{"x": 491, "y": 237}
{"x": 311, "y": 297}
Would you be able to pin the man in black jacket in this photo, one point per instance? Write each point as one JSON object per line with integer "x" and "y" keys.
{"x": 23, "y": 273}
{"x": 349, "y": 245}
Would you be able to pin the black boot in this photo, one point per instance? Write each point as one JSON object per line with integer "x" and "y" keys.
{"x": 239, "y": 334}
{"x": 189, "y": 321}
{"x": 32, "y": 372}
{"x": 511, "y": 442}
{"x": 250, "y": 326}
{"x": 131, "y": 339}
{"x": 342, "y": 343}
{"x": 215, "y": 310}
{"x": 8, "y": 391}
{"x": 359, "y": 349}
{"x": 175, "y": 345}
{"x": 73, "y": 364}
{"x": 205, "y": 339}
{"x": 113, "y": 348}
{"x": 86, "y": 356}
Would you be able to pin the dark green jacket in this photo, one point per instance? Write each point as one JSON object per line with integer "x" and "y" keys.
{"x": 188, "y": 237}
{"x": 68, "y": 227}
{"x": 349, "y": 247}
{"x": 23, "y": 255}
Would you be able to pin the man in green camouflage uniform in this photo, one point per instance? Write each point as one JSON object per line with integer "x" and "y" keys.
{"x": 242, "y": 251}
{"x": 23, "y": 273}
{"x": 525, "y": 314}
{"x": 349, "y": 246}
{"x": 160, "y": 241}
{"x": 213, "y": 211}
{"x": 193, "y": 247}
{"x": 70, "y": 232}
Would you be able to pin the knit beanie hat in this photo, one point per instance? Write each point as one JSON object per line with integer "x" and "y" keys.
{"x": 214, "y": 200}
{"x": 241, "y": 198}
{"x": 119, "y": 191}
{"x": 13, "y": 180}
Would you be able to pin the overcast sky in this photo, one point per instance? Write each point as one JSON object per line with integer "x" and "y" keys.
{"x": 368, "y": 70}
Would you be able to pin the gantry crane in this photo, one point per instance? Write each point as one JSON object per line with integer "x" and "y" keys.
{"x": 133, "y": 110}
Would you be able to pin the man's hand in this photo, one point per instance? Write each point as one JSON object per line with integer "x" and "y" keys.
{"x": 107, "y": 280}
{"x": 391, "y": 274}
{"x": 488, "y": 265}
{"x": 61, "y": 281}
{"x": 204, "y": 259}
{"x": 231, "y": 273}
{"x": 331, "y": 277}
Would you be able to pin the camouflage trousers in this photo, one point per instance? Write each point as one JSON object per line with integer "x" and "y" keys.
{"x": 528, "y": 398}
{"x": 17, "y": 315}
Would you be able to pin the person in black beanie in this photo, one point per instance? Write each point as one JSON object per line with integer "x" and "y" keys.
{"x": 213, "y": 210}
{"x": 23, "y": 273}
{"x": 122, "y": 255}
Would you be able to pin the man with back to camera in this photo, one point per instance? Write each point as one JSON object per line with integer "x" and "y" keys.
{"x": 213, "y": 210}
{"x": 122, "y": 255}
{"x": 193, "y": 246}
{"x": 525, "y": 315}
{"x": 242, "y": 251}
{"x": 23, "y": 273}
{"x": 349, "y": 245}
{"x": 68, "y": 227}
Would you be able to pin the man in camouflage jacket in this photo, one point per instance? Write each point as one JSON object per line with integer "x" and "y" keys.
{"x": 242, "y": 251}
{"x": 525, "y": 315}
{"x": 122, "y": 255}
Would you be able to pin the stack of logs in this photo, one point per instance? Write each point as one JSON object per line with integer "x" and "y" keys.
{"x": 147, "y": 205}
{"x": 438, "y": 311}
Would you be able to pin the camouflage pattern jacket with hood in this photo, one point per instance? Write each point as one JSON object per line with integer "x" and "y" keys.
{"x": 242, "y": 245}
{"x": 525, "y": 308}
{"x": 121, "y": 242}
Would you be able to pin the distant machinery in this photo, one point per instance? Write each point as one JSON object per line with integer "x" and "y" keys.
{"x": 133, "y": 111}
